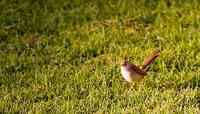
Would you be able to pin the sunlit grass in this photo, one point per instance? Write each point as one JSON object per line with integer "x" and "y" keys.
{"x": 72, "y": 63}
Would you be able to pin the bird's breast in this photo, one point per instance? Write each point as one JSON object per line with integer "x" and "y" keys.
{"x": 131, "y": 76}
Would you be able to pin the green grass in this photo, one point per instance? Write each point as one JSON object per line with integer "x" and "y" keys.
{"x": 73, "y": 66}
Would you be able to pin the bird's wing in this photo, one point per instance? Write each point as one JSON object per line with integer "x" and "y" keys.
{"x": 138, "y": 70}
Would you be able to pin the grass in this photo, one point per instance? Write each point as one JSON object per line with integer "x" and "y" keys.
{"x": 73, "y": 67}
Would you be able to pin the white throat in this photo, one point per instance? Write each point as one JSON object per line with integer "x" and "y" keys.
{"x": 126, "y": 74}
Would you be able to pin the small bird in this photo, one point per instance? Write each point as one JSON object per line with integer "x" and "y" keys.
{"x": 132, "y": 73}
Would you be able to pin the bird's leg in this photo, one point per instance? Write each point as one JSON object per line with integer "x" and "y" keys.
{"x": 132, "y": 86}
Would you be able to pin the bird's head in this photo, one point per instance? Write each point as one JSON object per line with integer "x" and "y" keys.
{"x": 124, "y": 63}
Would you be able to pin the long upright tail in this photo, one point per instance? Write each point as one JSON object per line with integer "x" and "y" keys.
{"x": 149, "y": 59}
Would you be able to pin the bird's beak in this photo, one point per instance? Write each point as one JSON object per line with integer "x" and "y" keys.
{"x": 122, "y": 63}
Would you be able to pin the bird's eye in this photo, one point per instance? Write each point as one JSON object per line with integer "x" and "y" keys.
{"x": 125, "y": 63}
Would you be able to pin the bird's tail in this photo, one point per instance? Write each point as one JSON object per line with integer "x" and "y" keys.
{"x": 149, "y": 59}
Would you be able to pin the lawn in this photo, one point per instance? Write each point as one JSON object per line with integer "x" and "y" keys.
{"x": 60, "y": 56}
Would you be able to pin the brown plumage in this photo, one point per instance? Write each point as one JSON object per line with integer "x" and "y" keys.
{"x": 132, "y": 73}
{"x": 149, "y": 59}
